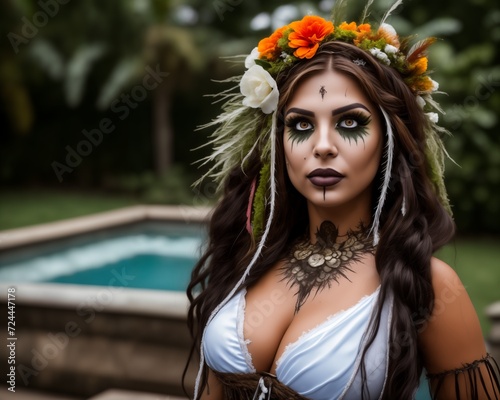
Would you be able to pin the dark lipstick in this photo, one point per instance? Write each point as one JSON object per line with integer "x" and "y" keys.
{"x": 325, "y": 177}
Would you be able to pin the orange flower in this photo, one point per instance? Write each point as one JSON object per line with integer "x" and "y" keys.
{"x": 366, "y": 28}
{"x": 363, "y": 28}
{"x": 348, "y": 27}
{"x": 268, "y": 47}
{"x": 364, "y": 32}
{"x": 307, "y": 34}
{"x": 422, "y": 85}
{"x": 420, "y": 66}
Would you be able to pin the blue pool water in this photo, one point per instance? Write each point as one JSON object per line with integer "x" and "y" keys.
{"x": 148, "y": 256}
{"x": 163, "y": 273}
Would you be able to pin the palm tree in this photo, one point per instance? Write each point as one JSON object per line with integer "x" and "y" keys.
{"x": 134, "y": 37}
{"x": 172, "y": 50}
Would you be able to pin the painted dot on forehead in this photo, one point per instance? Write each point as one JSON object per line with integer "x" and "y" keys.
{"x": 322, "y": 92}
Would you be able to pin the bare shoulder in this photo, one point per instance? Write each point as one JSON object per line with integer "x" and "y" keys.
{"x": 452, "y": 335}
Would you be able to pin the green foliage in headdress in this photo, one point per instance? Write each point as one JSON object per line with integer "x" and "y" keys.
{"x": 260, "y": 201}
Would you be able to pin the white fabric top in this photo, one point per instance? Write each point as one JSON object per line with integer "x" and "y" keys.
{"x": 323, "y": 364}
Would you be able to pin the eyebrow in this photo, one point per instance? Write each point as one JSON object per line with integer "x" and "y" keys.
{"x": 300, "y": 111}
{"x": 337, "y": 111}
{"x": 340, "y": 110}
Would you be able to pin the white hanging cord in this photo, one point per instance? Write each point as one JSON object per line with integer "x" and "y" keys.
{"x": 272, "y": 183}
{"x": 387, "y": 178}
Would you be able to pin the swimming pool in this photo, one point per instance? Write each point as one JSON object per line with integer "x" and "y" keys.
{"x": 146, "y": 255}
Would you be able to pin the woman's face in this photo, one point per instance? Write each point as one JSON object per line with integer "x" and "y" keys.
{"x": 333, "y": 141}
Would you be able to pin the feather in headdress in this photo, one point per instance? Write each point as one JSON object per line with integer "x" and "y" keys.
{"x": 366, "y": 11}
{"x": 235, "y": 136}
{"x": 338, "y": 12}
{"x": 396, "y": 4}
{"x": 389, "y": 153}
{"x": 419, "y": 50}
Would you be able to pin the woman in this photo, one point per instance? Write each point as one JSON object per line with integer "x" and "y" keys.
{"x": 318, "y": 280}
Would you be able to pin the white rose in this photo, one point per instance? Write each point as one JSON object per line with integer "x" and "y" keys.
{"x": 390, "y": 49}
{"x": 380, "y": 55}
{"x": 250, "y": 60}
{"x": 259, "y": 89}
{"x": 433, "y": 117}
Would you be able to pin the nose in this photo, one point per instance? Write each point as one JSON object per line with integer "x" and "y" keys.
{"x": 325, "y": 145}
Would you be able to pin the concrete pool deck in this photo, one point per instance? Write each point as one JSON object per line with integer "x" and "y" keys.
{"x": 112, "y": 394}
{"x": 82, "y": 342}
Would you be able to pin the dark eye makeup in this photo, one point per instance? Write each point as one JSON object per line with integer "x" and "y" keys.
{"x": 351, "y": 126}
{"x": 299, "y": 127}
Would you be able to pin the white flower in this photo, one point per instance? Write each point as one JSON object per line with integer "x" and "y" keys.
{"x": 250, "y": 60}
{"x": 259, "y": 89}
{"x": 435, "y": 85}
{"x": 421, "y": 101}
{"x": 380, "y": 55}
{"x": 390, "y": 49}
{"x": 433, "y": 117}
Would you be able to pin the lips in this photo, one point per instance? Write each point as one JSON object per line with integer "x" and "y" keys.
{"x": 325, "y": 177}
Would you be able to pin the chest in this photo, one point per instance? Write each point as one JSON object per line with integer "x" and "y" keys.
{"x": 314, "y": 352}
{"x": 271, "y": 322}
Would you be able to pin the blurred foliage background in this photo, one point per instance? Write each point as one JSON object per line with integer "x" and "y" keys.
{"x": 70, "y": 71}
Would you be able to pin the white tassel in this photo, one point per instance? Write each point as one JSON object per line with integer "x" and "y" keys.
{"x": 387, "y": 178}
{"x": 257, "y": 252}
{"x": 403, "y": 207}
{"x": 263, "y": 389}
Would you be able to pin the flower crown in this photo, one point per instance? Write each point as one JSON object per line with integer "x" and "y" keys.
{"x": 300, "y": 40}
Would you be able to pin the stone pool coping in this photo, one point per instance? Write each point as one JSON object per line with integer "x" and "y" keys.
{"x": 129, "y": 301}
{"x": 117, "y": 300}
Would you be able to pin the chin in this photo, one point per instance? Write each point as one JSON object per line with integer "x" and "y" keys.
{"x": 334, "y": 199}
{"x": 330, "y": 200}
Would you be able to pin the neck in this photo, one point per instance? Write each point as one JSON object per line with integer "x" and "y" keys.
{"x": 345, "y": 218}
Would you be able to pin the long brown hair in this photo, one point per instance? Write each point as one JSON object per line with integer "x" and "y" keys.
{"x": 406, "y": 243}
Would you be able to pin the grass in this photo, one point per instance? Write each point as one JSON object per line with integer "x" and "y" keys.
{"x": 31, "y": 207}
{"x": 474, "y": 259}
{"x": 477, "y": 265}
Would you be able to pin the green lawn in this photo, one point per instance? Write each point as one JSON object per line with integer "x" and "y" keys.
{"x": 476, "y": 260}
{"x": 30, "y": 207}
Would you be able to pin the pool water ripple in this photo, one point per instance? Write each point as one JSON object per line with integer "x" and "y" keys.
{"x": 149, "y": 256}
